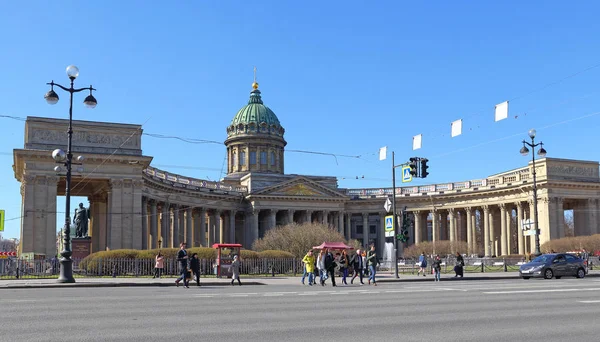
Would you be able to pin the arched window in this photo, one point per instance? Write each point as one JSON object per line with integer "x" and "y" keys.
{"x": 272, "y": 158}
{"x": 234, "y": 157}
{"x": 243, "y": 158}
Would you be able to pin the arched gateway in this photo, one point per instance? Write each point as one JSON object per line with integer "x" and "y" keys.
{"x": 134, "y": 205}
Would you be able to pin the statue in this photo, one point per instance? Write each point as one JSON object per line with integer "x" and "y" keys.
{"x": 81, "y": 221}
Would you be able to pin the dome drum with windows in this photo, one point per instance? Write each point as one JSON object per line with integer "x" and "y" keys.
{"x": 255, "y": 140}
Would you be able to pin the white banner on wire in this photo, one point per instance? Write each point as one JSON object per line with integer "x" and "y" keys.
{"x": 383, "y": 153}
{"x": 417, "y": 139}
{"x": 501, "y": 111}
{"x": 456, "y": 128}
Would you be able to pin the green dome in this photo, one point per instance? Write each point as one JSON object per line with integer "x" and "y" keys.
{"x": 255, "y": 117}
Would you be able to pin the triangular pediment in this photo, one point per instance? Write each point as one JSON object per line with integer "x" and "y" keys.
{"x": 300, "y": 187}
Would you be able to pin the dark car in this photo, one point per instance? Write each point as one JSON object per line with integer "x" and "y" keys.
{"x": 553, "y": 265}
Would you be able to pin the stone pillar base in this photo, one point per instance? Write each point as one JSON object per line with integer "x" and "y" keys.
{"x": 81, "y": 247}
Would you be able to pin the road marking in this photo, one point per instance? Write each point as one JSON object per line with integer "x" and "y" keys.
{"x": 589, "y": 301}
{"x": 540, "y": 291}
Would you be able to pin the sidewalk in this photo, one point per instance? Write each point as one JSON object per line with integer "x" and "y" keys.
{"x": 382, "y": 277}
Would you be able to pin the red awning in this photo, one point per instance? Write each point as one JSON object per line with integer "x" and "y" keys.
{"x": 333, "y": 245}
{"x": 226, "y": 245}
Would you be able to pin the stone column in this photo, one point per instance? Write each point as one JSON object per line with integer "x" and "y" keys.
{"x": 380, "y": 236}
{"x": 272, "y": 218}
{"x": 491, "y": 233}
{"x": 175, "y": 231}
{"x": 509, "y": 230}
{"x": 348, "y": 225}
{"x": 435, "y": 226}
{"x": 189, "y": 228}
{"x": 592, "y": 216}
{"x": 560, "y": 233}
{"x": 365, "y": 217}
{"x": 290, "y": 216}
{"x": 444, "y": 226}
{"x": 218, "y": 226}
{"x": 307, "y": 218}
{"x": 136, "y": 217}
{"x": 340, "y": 222}
{"x": 153, "y": 224}
{"x": 202, "y": 234}
{"x": 470, "y": 237}
{"x": 531, "y": 238}
{"x": 418, "y": 227}
{"x": 98, "y": 221}
{"x": 486, "y": 230}
{"x": 231, "y": 226}
{"x": 144, "y": 223}
{"x": 165, "y": 225}
{"x": 503, "y": 230}
{"x": 116, "y": 214}
{"x": 451, "y": 215}
{"x": 50, "y": 224}
{"x": 253, "y": 226}
{"x": 520, "y": 237}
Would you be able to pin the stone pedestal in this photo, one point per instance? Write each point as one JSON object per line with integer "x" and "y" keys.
{"x": 81, "y": 247}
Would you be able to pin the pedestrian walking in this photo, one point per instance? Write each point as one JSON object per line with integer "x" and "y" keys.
{"x": 437, "y": 267}
{"x": 358, "y": 265}
{"x": 585, "y": 256}
{"x": 372, "y": 262}
{"x": 460, "y": 263}
{"x": 159, "y": 264}
{"x": 344, "y": 262}
{"x": 309, "y": 264}
{"x": 304, "y": 272}
{"x": 182, "y": 258}
{"x": 321, "y": 267}
{"x": 422, "y": 264}
{"x": 195, "y": 267}
{"x": 235, "y": 270}
{"x": 330, "y": 266}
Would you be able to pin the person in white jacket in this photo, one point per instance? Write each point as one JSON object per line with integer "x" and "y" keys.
{"x": 321, "y": 267}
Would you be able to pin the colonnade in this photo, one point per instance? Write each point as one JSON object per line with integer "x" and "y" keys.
{"x": 491, "y": 229}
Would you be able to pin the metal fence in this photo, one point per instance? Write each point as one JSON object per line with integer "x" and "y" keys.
{"x": 34, "y": 269}
{"x": 23, "y": 268}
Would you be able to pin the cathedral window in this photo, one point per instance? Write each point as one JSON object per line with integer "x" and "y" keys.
{"x": 263, "y": 158}
{"x": 243, "y": 158}
{"x": 273, "y": 158}
{"x": 252, "y": 158}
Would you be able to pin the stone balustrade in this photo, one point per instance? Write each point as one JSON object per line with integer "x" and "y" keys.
{"x": 191, "y": 183}
{"x": 507, "y": 179}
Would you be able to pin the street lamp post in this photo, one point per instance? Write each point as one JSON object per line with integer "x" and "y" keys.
{"x": 542, "y": 153}
{"x": 66, "y": 263}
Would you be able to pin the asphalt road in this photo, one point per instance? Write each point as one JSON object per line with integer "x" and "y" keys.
{"x": 502, "y": 310}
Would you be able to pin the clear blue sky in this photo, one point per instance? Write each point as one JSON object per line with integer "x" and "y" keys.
{"x": 343, "y": 77}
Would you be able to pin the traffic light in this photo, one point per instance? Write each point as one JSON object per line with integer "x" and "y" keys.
{"x": 413, "y": 166}
{"x": 424, "y": 167}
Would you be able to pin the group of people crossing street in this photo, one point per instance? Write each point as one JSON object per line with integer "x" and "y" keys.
{"x": 326, "y": 264}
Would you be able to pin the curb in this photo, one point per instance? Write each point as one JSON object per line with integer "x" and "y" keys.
{"x": 466, "y": 278}
{"x": 122, "y": 284}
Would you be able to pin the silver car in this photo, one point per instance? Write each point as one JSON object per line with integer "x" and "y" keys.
{"x": 553, "y": 265}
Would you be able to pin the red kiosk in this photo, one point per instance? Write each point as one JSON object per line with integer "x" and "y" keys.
{"x": 225, "y": 258}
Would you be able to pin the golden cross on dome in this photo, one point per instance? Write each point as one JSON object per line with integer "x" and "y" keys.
{"x": 255, "y": 84}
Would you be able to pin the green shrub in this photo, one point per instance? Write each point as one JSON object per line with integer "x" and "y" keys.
{"x": 248, "y": 254}
{"x": 572, "y": 244}
{"x": 273, "y": 254}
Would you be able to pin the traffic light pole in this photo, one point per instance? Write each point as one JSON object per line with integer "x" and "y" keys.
{"x": 394, "y": 214}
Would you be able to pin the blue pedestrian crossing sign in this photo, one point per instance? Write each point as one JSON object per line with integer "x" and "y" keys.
{"x": 406, "y": 176}
{"x": 389, "y": 226}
